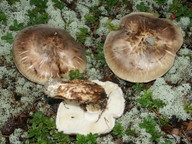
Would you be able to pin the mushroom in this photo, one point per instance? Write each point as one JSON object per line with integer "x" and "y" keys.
{"x": 83, "y": 91}
{"x": 41, "y": 52}
{"x": 144, "y": 48}
{"x": 73, "y": 119}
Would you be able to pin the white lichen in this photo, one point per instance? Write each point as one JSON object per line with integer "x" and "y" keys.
{"x": 104, "y": 27}
{"x": 14, "y": 138}
{"x": 2, "y": 139}
{"x": 16, "y": 86}
{"x": 83, "y": 9}
{"x": 108, "y": 139}
{"x": 182, "y": 68}
{"x": 184, "y": 22}
{"x": 148, "y": 3}
{"x": 102, "y": 30}
{"x": 131, "y": 120}
{"x": 173, "y": 97}
{"x": 55, "y": 16}
{"x": 92, "y": 69}
{"x": 6, "y": 103}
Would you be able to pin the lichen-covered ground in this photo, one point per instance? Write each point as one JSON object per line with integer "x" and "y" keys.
{"x": 163, "y": 113}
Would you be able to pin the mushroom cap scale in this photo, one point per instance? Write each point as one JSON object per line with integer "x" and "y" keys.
{"x": 72, "y": 119}
{"x": 144, "y": 48}
{"x": 41, "y": 52}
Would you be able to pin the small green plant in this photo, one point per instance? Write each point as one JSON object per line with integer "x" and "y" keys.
{"x": 150, "y": 127}
{"x": 43, "y": 131}
{"x": 8, "y": 38}
{"x": 163, "y": 121}
{"x": 75, "y": 74}
{"x": 110, "y": 26}
{"x": 110, "y": 3}
{"x": 131, "y": 132}
{"x": 58, "y": 4}
{"x": 94, "y": 10}
{"x": 3, "y": 18}
{"x": 142, "y": 7}
{"x": 180, "y": 10}
{"x": 91, "y": 19}
{"x": 187, "y": 55}
{"x": 160, "y": 2}
{"x": 42, "y": 5}
{"x": 188, "y": 107}
{"x": 118, "y": 130}
{"x": 12, "y": 1}
{"x": 100, "y": 55}
{"x": 82, "y": 35}
{"x": 89, "y": 139}
{"x": 38, "y": 15}
{"x": 16, "y": 26}
{"x": 148, "y": 102}
{"x": 138, "y": 87}
{"x": 149, "y": 124}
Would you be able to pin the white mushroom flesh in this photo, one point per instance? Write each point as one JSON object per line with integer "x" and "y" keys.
{"x": 72, "y": 119}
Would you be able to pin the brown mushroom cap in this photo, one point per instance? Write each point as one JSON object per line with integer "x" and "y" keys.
{"x": 42, "y": 52}
{"x": 144, "y": 48}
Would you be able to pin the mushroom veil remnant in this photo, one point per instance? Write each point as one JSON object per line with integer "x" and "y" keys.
{"x": 144, "y": 48}
{"x": 73, "y": 119}
{"x": 41, "y": 52}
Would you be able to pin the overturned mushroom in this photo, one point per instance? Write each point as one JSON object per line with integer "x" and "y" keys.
{"x": 144, "y": 48}
{"x": 73, "y": 119}
{"x": 83, "y": 91}
{"x": 41, "y": 52}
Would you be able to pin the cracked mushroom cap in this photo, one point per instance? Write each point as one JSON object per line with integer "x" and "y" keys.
{"x": 41, "y": 52}
{"x": 72, "y": 119}
{"x": 144, "y": 48}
